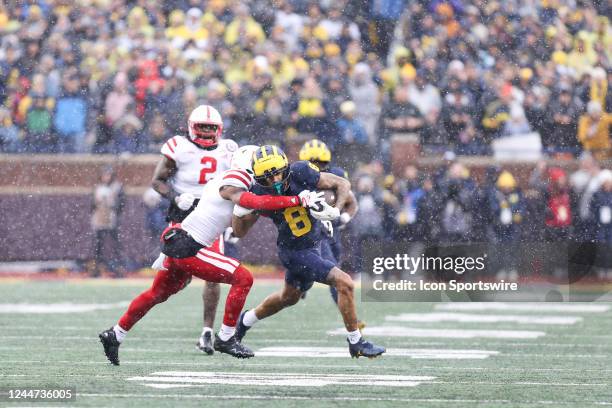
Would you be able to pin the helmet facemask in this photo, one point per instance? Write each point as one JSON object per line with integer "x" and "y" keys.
{"x": 205, "y": 134}
{"x": 205, "y": 126}
{"x": 270, "y": 180}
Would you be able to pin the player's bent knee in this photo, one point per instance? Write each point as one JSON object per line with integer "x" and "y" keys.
{"x": 291, "y": 297}
{"x": 159, "y": 297}
{"x": 290, "y": 300}
{"x": 243, "y": 277}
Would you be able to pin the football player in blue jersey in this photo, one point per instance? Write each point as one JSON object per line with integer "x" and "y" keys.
{"x": 317, "y": 152}
{"x": 300, "y": 236}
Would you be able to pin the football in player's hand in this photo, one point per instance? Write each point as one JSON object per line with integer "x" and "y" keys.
{"x": 330, "y": 198}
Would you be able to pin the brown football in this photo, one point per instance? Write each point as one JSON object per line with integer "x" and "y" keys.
{"x": 330, "y": 197}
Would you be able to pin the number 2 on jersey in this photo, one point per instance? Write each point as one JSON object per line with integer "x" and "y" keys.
{"x": 298, "y": 221}
{"x": 209, "y": 166}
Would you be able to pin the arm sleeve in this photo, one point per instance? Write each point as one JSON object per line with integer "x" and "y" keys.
{"x": 237, "y": 178}
{"x": 267, "y": 202}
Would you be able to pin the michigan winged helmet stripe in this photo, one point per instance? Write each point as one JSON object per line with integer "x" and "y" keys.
{"x": 315, "y": 150}
{"x": 268, "y": 161}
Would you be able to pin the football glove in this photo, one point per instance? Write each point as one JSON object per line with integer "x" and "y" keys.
{"x": 229, "y": 237}
{"x": 328, "y": 228}
{"x": 311, "y": 199}
{"x": 240, "y": 211}
{"x": 158, "y": 265}
{"x": 184, "y": 201}
{"x": 327, "y": 212}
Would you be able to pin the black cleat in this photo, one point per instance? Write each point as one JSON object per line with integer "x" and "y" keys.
{"x": 111, "y": 345}
{"x": 365, "y": 348}
{"x": 241, "y": 329}
{"x": 232, "y": 347}
{"x": 205, "y": 344}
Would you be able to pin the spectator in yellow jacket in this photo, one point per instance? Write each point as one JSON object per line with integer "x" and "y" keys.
{"x": 243, "y": 28}
{"x": 594, "y": 130}
{"x": 583, "y": 57}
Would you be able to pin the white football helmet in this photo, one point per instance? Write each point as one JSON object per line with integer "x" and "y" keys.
{"x": 243, "y": 157}
{"x": 205, "y": 126}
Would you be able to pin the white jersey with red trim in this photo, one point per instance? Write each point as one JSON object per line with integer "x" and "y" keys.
{"x": 196, "y": 166}
{"x": 213, "y": 214}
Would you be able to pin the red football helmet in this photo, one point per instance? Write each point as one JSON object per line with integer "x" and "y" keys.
{"x": 205, "y": 126}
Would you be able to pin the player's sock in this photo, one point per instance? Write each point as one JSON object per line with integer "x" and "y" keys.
{"x": 206, "y": 329}
{"x": 354, "y": 336}
{"x": 120, "y": 333}
{"x": 250, "y": 318}
{"x": 226, "y": 332}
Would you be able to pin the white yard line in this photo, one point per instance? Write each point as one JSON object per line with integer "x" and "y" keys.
{"x": 179, "y": 376}
{"x": 340, "y": 352}
{"x": 403, "y": 331}
{"x": 98, "y": 375}
{"x": 483, "y": 318}
{"x": 537, "y": 307}
{"x": 332, "y": 339}
{"x": 57, "y": 308}
{"x": 179, "y": 379}
{"x": 552, "y": 384}
{"x": 208, "y": 362}
{"x": 343, "y": 353}
{"x": 436, "y": 401}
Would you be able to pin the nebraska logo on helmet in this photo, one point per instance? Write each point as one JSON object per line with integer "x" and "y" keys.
{"x": 205, "y": 126}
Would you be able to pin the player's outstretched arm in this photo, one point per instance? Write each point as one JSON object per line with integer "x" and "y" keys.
{"x": 164, "y": 170}
{"x": 252, "y": 201}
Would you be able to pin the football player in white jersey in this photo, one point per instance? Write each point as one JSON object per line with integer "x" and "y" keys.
{"x": 189, "y": 252}
{"x": 187, "y": 164}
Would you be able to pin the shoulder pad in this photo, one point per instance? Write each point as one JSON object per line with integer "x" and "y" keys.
{"x": 229, "y": 145}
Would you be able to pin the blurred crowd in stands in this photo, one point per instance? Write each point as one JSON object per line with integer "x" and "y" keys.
{"x": 117, "y": 76}
{"x": 447, "y": 206}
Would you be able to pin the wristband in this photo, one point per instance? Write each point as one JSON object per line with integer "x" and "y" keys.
{"x": 345, "y": 218}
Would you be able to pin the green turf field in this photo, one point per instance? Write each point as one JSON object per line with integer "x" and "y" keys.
{"x": 439, "y": 356}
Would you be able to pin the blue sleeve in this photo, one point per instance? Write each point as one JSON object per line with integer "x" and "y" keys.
{"x": 305, "y": 174}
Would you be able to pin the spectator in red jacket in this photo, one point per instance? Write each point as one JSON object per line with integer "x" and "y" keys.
{"x": 148, "y": 78}
{"x": 558, "y": 203}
